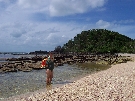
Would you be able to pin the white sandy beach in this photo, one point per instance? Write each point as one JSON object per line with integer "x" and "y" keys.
{"x": 114, "y": 84}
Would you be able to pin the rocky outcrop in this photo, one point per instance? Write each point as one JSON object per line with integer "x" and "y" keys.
{"x": 28, "y": 64}
{"x": 21, "y": 64}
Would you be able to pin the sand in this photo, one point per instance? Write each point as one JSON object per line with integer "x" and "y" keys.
{"x": 114, "y": 84}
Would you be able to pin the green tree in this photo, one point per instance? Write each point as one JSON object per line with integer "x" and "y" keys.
{"x": 100, "y": 41}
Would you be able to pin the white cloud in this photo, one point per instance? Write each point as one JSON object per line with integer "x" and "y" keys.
{"x": 62, "y": 7}
{"x": 36, "y": 35}
{"x": 103, "y": 24}
{"x": 24, "y": 10}
{"x": 118, "y": 27}
{"x": 32, "y": 4}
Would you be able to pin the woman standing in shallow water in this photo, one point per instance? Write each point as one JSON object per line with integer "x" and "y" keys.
{"x": 49, "y": 69}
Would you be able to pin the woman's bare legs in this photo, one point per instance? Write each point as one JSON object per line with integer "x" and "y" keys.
{"x": 51, "y": 75}
{"x": 48, "y": 76}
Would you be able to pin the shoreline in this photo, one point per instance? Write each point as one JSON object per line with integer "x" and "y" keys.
{"x": 27, "y": 64}
{"x": 115, "y": 83}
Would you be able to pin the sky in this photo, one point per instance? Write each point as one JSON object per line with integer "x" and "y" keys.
{"x": 33, "y": 25}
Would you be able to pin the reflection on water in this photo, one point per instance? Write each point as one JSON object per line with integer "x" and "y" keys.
{"x": 12, "y": 84}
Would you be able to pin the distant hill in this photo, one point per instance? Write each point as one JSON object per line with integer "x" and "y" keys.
{"x": 100, "y": 41}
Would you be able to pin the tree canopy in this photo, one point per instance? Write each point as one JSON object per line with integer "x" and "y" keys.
{"x": 100, "y": 41}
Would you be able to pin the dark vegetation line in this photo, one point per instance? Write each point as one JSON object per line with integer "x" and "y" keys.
{"x": 98, "y": 41}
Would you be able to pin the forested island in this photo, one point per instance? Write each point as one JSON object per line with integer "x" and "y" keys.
{"x": 98, "y": 41}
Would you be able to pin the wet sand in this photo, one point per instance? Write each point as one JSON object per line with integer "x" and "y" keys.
{"x": 114, "y": 84}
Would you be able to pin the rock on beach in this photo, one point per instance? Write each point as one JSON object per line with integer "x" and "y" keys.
{"x": 114, "y": 84}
